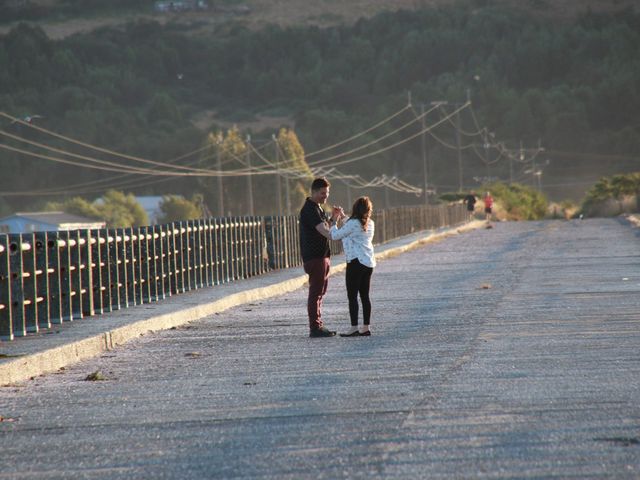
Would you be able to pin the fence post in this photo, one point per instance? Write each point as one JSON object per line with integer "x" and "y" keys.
{"x": 104, "y": 258}
{"x": 115, "y": 268}
{"x": 217, "y": 251}
{"x": 29, "y": 279}
{"x": 271, "y": 255}
{"x": 18, "y": 327}
{"x": 65, "y": 276}
{"x": 168, "y": 277}
{"x": 6, "y": 325}
{"x": 193, "y": 253}
{"x": 208, "y": 260}
{"x": 75, "y": 274}
{"x": 122, "y": 244}
{"x": 42, "y": 279}
{"x": 204, "y": 252}
{"x": 232, "y": 248}
{"x": 87, "y": 267}
{"x": 201, "y": 257}
{"x": 145, "y": 262}
{"x": 157, "y": 274}
{"x": 153, "y": 263}
{"x": 189, "y": 251}
{"x": 175, "y": 242}
{"x": 224, "y": 249}
{"x": 96, "y": 246}
{"x": 183, "y": 254}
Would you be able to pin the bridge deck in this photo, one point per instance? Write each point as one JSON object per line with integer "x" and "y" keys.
{"x": 500, "y": 353}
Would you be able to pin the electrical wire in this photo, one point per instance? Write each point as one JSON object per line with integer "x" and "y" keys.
{"x": 364, "y": 132}
{"x": 401, "y": 142}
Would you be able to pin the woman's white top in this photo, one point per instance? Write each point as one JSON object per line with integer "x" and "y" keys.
{"x": 357, "y": 243}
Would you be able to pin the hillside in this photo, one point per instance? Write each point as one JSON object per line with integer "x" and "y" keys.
{"x": 156, "y": 90}
{"x": 59, "y": 22}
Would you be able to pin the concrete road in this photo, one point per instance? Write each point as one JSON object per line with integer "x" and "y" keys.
{"x": 511, "y": 352}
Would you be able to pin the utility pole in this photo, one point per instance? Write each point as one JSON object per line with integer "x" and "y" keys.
{"x": 220, "y": 190}
{"x": 278, "y": 186}
{"x": 459, "y": 152}
{"x": 249, "y": 179}
{"x": 425, "y": 169}
{"x": 287, "y": 195}
{"x": 486, "y": 155}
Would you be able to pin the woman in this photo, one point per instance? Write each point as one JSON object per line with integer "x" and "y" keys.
{"x": 356, "y": 234}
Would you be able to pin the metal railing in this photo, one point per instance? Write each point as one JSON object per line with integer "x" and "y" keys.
{"x": 49, "y": 278}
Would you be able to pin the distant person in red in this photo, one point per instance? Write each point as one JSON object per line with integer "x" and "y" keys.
{"x": 488, "y": 205}
{"x": 470, "y": 202}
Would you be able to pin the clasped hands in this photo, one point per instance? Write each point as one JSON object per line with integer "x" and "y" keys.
{"x": 337, "y": 214}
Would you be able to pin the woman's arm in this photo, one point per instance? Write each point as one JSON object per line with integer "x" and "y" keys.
{"x": 344, "y": 231}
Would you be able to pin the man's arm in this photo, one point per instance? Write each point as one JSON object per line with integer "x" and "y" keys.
{"x": 324, "y": 229}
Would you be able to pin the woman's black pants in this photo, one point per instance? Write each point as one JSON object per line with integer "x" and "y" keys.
{"x": 358, "y": 282}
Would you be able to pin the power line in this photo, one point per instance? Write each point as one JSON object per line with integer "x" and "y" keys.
{"x": 357, "y": 135}
{"x": 374, "y": 141}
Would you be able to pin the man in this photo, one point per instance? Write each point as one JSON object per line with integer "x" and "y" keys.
{"x": 470, "y": 201}
{"x": 315, "y": 232}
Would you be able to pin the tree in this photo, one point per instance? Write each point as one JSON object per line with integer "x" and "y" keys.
{"x": 76, "y": 206}
{"x": 175, "y": 208}
{"x": 294, "y": 162}
{"x": 122, "y": 210}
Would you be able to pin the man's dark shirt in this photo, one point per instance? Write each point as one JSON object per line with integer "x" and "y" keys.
{"x": 470, "y": 200}
{"x": 312, "y": 243}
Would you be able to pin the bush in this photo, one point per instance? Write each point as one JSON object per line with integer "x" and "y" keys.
{"x": 176, "y": 208}
{"x": 612, "y": 196}
{"x": 452, "y": 197}
{"x": 517, "y": 201}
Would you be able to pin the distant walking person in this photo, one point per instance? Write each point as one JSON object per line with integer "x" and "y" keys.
{"x": 488, "y": 205}
{"x": 314, "y": 246}
{"x": 356, "y": 234}
{"x": 470, "y": 201}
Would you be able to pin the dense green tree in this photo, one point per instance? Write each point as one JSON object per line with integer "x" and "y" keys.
{"x": 122, "y": 210}
{"x": 174, "y": 208}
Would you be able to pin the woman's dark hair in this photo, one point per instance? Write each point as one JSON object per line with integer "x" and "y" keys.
{"x": 361, "y": 211}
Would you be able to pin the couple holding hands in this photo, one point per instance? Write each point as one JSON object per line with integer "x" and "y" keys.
{"x": 356, "y": 232}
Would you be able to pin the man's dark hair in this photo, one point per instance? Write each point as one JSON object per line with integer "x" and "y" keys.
{"x": 319, "y": 183}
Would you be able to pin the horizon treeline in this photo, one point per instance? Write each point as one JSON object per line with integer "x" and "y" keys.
{"x": 573, "y": 86}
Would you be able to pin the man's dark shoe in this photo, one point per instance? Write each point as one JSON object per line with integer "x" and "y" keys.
{"x": 322, "y": 332}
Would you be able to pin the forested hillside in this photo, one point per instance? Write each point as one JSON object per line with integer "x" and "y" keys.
{"x": 571, "y": 87}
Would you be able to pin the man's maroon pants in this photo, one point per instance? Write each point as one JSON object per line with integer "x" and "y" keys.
{"x": 318, "y": 271}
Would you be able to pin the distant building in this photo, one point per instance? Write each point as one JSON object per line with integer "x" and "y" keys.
{"x": 180, "y": 6}
{"x": 28, "y": 222}
{"x": 151, "y": 205}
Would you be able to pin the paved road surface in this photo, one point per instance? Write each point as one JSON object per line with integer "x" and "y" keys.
{"x": 511, "y": 352}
